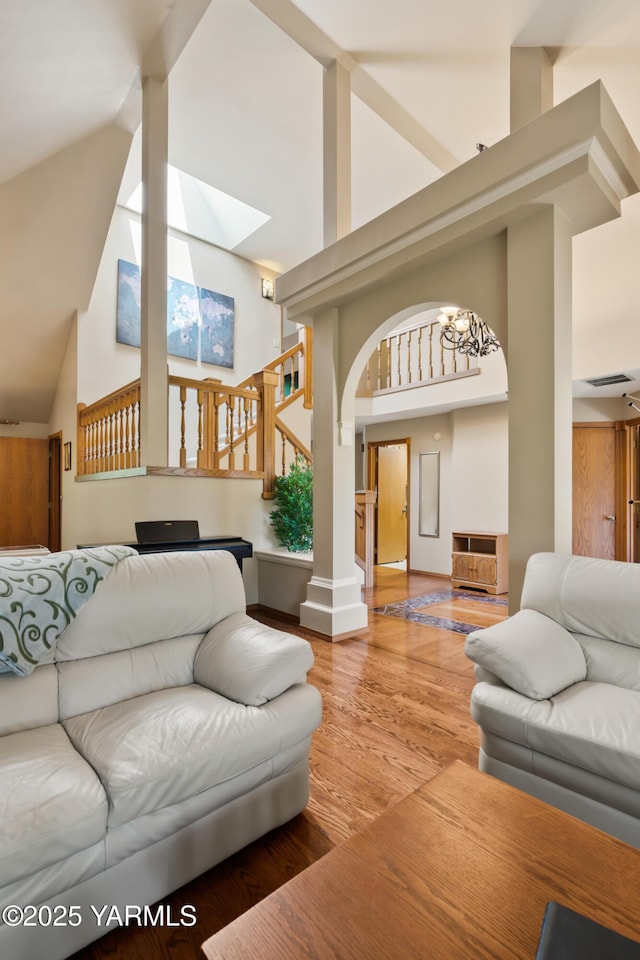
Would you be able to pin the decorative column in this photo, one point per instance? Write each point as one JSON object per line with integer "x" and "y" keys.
{"x": 154, "y": 419}
{"x": 333, "y": 606}
{"x": 540, "y": 392}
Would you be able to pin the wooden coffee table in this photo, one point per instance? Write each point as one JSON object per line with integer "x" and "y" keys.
{"x": 459, "y": 870}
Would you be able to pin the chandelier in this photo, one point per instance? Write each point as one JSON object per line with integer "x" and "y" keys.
{"x": 466, "y": 332}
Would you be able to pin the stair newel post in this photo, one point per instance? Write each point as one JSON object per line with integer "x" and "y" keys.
{"x": 80, "y": 448}
{"x": 308, "y": 368}
{"x": 266, "y": 383}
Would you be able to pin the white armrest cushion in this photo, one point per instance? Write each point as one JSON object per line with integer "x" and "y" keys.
{"x": 249, "y": 662}
{"x": 530, "y": 653}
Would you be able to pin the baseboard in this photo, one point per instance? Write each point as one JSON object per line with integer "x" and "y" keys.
{"x": 427, "y": 573}
{"x": 271, "y": 611}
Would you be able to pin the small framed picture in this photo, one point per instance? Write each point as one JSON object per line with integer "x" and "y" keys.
{"x": 267, "y": 289}
{"x": 67, "y": 456}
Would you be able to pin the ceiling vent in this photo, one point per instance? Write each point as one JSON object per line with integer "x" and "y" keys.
{"x": 608, "y": 381}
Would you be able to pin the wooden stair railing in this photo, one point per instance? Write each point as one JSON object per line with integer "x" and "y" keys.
{"x": 108, "y": 436}
{"x": 222, "y": 430}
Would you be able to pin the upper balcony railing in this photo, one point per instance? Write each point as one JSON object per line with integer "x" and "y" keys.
{"x": 412, "y": 357}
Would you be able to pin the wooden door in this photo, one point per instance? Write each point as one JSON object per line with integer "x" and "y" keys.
{"x": 391, "y": 526}
{"x": 594, "y": 490}
{"x": 24, "y": 491}
{"x": 55, "y": 485}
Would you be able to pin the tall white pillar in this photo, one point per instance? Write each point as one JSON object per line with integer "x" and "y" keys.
{"x": 154, "y": 420}
{"x": 540, "y": 392}
{"x": 334, "y": 605}
{"x": 336, "y": 152}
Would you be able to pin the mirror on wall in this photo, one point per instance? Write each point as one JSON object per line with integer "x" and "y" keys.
{"x": 429, "y": 522}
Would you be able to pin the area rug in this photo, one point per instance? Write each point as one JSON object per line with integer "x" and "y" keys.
{"x": 414, "y": 609}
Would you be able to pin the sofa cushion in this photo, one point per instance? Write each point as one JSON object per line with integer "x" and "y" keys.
{"x": 530, "y": 653}
{"x": 250, "y": 662}
{"x": 593, "y": 726}
{"x": 586, "y": 595}
{"x": 166, "y": 746}
{"x": 51, "y": 802}
{"x": 155, "y": 596}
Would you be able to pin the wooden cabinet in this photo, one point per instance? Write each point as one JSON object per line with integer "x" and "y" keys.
{"x": 480, "y": 560}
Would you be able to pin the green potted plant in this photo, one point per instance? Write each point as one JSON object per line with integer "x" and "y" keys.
{"x": 292, "y": 518}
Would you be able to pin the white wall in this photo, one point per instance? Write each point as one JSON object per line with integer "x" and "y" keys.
{"x": 480, "y": 468}
{"x": 592, "y": 410}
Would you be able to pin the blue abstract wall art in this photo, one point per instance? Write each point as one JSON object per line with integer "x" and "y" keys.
{"x": 200, "y": 322}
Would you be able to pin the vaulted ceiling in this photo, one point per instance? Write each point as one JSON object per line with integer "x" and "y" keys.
{"x": 429, "y": 81}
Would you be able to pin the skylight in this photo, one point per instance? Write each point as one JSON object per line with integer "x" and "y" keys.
{"x": 196, "y": 208}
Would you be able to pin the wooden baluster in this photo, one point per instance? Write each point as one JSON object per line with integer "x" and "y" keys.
{"x": 231, "y": 421}
{"x": 93, "y": 426}
{"x": 247, "y": 414}
{"x": 431, "y": 351}
{"x": 127, "y": 434}
{"x": 100, "y": 450}
{"x": 216, "y": 432}
{"x": 200, "y": 454}
{"x": 112, "y": 439}
{"x": 398, "y": 340}
{"x": 284, "y": 454}
{"x": 118, "y": 431}
{"x": 183, "y": 426}
{"x": 420, "y": 332}
{"x": 409, "y": 340}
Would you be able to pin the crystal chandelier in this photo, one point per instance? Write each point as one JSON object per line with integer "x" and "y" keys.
{"x": 466, "y": 332}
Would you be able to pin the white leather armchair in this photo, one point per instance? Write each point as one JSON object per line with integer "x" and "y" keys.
{"x": 557, "y": 697}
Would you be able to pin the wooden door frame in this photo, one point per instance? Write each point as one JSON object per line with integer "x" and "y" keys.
{"x": 372, "y": 481}
{"x": 626, "y": 466}
{"x": 55, "y": 493}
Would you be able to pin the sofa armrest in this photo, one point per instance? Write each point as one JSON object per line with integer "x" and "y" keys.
{"x": 249, "y": 662}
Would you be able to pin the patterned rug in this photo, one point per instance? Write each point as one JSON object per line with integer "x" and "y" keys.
{"x": 413, "y": 609}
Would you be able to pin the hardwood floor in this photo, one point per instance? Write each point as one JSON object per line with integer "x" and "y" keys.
{"x": 395, "y": 713}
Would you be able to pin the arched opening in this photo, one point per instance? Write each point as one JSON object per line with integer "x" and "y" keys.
{"x": 453, "y": 421}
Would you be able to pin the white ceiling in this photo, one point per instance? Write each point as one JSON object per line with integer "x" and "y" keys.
{"x": 246, "y": 117}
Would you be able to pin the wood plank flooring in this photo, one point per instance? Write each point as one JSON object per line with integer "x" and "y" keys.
{"x": 395, "y": 713}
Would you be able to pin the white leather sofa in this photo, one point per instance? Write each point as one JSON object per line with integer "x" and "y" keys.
{"x": 170, "y": 730}
{"x": 557, "y": 696}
